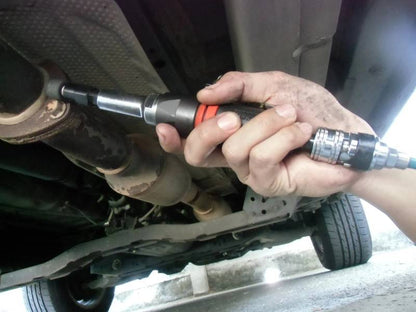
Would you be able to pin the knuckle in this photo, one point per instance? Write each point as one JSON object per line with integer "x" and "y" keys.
{"x": 291, "y": 136}
{"x": 277, "y": 75}
{"x": 232, "y": 153}
{"x": 259, "y": 155}
{"x": 264, "y": 190}
{"x": 192, "y": 158}
{"x": 232, "y": 75}
{"x": 245, "y": 179}
{"x": 204, "y": 134}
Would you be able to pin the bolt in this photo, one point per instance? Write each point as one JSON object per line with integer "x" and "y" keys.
{"x": 116, "y": 264}
{"x": 55, "y": 108}
{"x": 51, "y": 105}
{"x": 236, "y": 236}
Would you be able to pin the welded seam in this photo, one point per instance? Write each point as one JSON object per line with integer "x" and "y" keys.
{"x": 309, "y": 46}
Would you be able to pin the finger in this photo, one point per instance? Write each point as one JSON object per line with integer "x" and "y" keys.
{"x": 234, "y": 86}
{"x": 171, "y": 142}
{"x": 237, "y": 148}
{"x": 266, "y": 158}
{"x": 203, "y": 140}
{"x": 169, "y": 139}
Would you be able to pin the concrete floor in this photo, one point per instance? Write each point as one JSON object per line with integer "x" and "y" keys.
{"x": 386, "y": 283}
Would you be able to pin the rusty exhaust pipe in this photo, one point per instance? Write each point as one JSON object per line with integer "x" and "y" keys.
{"x": 134, "y": 166}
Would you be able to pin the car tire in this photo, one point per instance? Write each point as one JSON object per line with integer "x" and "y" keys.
{"x": 342, "y": 238}
{"x": 63, "y": 295}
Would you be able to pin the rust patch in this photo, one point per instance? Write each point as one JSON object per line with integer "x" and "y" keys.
{"x": 55, "y": 108}
{"x": 52, "y": 118}
{"x": 51, "y": 105}
{"x": 138, "y": 189}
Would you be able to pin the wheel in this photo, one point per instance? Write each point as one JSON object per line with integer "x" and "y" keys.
{"x": 342, "y": 238}
{"x": 66, "y": 295}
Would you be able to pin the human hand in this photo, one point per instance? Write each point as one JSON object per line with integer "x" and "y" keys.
{"x": 258, "y": 151}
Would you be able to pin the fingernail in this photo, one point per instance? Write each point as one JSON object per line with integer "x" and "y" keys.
{"x": 305, "y": 127}
{"x": 228, "y": 121}
{"x": 285, "y": 110}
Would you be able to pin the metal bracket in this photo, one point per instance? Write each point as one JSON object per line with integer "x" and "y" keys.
{"x": 51, "y": 118}
{"x": 261, "y": 208}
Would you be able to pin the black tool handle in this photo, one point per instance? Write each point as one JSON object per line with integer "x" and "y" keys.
{"x": 185, "y": 113}
{"x": 245, "y": 111}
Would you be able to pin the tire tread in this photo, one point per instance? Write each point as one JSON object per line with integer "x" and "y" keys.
{"x": 343, "y": 233}
{"x": 36, "y": 297}
{"x": 49, "y": 296}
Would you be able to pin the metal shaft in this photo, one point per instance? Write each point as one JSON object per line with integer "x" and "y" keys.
{"x": 357, "y": 150}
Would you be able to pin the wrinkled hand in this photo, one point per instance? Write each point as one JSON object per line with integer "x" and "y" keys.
{"x": 259, "y": 152}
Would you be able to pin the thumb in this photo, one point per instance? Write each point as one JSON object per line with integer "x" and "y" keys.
{"x": 169, "y": 139}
